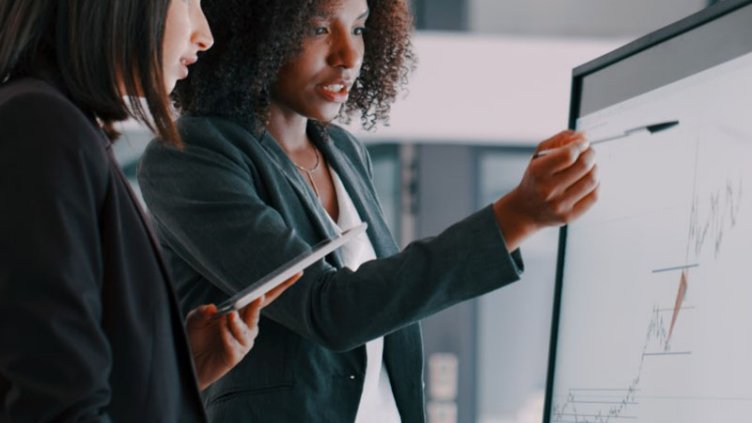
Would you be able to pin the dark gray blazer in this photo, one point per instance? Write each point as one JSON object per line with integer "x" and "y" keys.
{"x": 91, "y": 329}
{"x": 231, "y": 207}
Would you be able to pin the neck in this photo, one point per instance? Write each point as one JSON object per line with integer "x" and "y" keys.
{"x": 288, "y": 129}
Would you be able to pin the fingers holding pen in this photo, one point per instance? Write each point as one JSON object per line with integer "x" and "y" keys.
{"x": 561, "y": 139}
{"x": 559, "y": 152}
{"x": 577, "y": 187}
{"x": 549, "y": 177}
{"x": 560, "y": 176}
{"x": 562, "y": 161}
{"x": 581, "y": 193}
{"x": 584, "y": 204}
{"x": 574, "y": 189}
{"x": 582, "y": 168}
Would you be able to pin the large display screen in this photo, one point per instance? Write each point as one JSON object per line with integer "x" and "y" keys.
{"x": 654, "y": 297}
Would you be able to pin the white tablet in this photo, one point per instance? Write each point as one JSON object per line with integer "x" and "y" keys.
{"x": 288, "y": 270}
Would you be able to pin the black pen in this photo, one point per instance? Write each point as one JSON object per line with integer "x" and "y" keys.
{"x": 650, "y": 129}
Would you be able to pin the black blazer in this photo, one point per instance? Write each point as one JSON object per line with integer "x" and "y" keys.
{"x": 90, "y": 327}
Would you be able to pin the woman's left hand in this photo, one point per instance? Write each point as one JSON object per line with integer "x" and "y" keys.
{"x": 218, "y": 344}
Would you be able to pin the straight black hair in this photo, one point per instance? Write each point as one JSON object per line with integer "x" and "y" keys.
{"x": 106, "y": 54}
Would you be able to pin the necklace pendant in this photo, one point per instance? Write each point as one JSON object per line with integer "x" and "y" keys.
{"x": 313, "y": 185}
{"x": 309, "y": 172}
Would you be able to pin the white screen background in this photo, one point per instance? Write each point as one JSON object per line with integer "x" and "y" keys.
{"x": 674, "y": 204}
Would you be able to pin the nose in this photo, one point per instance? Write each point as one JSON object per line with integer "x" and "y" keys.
{"x": 202, "y": 36}
{"x": 346, "y": 52}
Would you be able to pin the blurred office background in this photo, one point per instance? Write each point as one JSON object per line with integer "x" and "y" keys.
{"x": 492, "y": 81}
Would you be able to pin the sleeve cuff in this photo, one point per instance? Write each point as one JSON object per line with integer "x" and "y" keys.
{"x": 511, "y": 260}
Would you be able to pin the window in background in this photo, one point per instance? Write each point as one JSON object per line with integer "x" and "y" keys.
{"x": 128, "y": 150}
{"x": 576, "y": 18}
{"x": 386, "y": 177}
{"x": 514, "y": 322}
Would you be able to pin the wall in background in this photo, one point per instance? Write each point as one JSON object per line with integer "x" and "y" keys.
{"x": 577, "y": 18}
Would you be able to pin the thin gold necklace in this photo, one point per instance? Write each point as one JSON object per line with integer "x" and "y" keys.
{"x": 309, "y": 172}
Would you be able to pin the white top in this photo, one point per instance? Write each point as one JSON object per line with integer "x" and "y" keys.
{"x": 377, "y": 404}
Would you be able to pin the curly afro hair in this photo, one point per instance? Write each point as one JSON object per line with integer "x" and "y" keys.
{"x": 255, "y": 38}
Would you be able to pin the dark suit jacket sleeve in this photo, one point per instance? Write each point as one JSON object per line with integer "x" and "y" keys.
{"x": 54, "y": 355}
{"x": 210, "y": 211}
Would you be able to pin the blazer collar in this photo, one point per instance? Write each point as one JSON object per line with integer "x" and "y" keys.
{"x": 362, "y": 194}
{"x": 357, "y": 187}
{"x": 315, "y": 211}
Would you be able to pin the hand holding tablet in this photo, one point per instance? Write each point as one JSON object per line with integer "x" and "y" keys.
{"x": 287, "y": 270}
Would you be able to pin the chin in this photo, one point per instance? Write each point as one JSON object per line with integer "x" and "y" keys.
{"x": 327, "y": 119}
{"x": 326, "y": 116}
{"x": 170, "y": 85}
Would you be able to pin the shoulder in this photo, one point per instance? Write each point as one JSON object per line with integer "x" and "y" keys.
{"x": 209, "y": 133}
{"x": 49, "y": 148}
{"x": 40, "y": 125}
{"x": 35, "y": 115}
{"x": 343, "y": 138}
{"x": 212, "y": 131}
{"x": 348, "y": 144}
{"x": 207, "y": 140}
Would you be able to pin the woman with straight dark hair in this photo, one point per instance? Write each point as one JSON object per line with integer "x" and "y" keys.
{"x": 91, "y": 329}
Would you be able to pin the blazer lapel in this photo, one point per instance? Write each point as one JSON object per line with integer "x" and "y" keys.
{"x": 306, "y": 196}
{"x": 362, "y": 196}
{"x": 136, "y": 203}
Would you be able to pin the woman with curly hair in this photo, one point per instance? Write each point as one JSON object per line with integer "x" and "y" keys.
{"x": 264, "y": 175}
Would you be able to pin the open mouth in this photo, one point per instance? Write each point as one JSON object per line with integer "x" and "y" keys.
{"x": 336, "y": 88}
{"x": 335, "y": 92}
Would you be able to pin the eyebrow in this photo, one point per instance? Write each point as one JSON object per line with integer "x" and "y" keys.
{"x": 324, "y": 15}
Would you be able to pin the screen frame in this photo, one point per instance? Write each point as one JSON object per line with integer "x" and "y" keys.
{"x": 642, "y": 44}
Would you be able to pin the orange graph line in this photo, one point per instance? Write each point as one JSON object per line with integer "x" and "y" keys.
{"x": 677, "y": 306}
